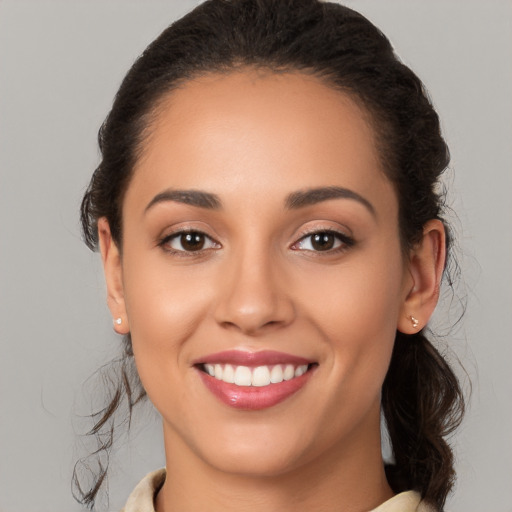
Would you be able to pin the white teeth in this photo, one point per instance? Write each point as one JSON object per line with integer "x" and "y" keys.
{"x": 258, "y": 377}
{"x": 276, "y": 375}
{"x": 301, "y": 370}
{"x": 289, "y": 372}
{"x": 228, "y": 374}
{"x": 243, "y": 376}
{"x": 261, "y": 376}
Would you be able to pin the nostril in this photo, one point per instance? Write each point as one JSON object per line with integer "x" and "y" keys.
{"x": 253, "y": 301}
{"x": 251, "y": 328}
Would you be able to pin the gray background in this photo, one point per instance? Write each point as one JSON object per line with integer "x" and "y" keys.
{"x": 60, "y": 65}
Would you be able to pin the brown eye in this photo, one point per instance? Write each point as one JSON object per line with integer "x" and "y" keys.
{"x": 192, "y": 241}
{"x": 323, "y": 241}
{"x": 188, "y": 241}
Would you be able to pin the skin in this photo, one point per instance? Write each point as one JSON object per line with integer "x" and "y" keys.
{"x": 252, "y": 138}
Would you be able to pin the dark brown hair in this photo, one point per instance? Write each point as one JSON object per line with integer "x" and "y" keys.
{"x": 422, "y": 401}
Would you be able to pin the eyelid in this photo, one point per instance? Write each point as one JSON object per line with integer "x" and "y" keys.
{"x": 346, "y": 240}
{"x": 168, "y": 237}
{"x": 185, "y": 226}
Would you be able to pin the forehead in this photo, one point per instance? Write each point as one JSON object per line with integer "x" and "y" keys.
{"x": 254, "y": 130}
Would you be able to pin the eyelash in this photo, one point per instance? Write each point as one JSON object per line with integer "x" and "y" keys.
{"x": 344, "y": 241}
{"x": 163, "y": 243}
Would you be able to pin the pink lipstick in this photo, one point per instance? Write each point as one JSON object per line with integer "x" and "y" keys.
{"x": 254, "y": 380}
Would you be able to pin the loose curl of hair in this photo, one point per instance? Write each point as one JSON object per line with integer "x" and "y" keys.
{"x": 422, "y": 400}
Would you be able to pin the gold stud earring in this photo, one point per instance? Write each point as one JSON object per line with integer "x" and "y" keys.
{"x": 414, "y": 321}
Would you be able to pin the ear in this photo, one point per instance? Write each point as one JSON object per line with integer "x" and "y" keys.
{"x": 426, "y": 265}
{"x": 112, "y": 267}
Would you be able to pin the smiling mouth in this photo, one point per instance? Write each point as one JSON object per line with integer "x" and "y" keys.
{"x": 254, "y": 380}
{"x": 258, "y": 376}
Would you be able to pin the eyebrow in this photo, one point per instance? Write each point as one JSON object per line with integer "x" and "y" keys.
{"x": 191, "y": 197}
{"x": 313, "y": 196}
{"x": 295, "y": 200}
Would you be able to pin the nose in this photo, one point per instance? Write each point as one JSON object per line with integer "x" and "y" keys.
{"x": 254, "y": 297}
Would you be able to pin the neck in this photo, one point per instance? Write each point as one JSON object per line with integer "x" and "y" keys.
{"x": 343, "y": 480}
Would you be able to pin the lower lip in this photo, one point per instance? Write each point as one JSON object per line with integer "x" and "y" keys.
{"x": 252, "y": 397}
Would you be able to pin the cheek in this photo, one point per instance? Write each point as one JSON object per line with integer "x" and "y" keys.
{"x": 161, "y": 298}
{"x": 356, "y": 308}
{"x": 157, "y": 311}
{"x": 164, "y": 307}
{"x": 363, "y": 296}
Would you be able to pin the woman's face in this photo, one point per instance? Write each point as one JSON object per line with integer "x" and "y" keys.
{"x": 261, "y": 232}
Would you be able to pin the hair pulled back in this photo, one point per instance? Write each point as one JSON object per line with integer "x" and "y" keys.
{"x": 421, "y": 398}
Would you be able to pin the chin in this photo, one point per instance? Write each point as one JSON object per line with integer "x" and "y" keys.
{"x": 258, "y": 462}
{"x": 257, "y": 450}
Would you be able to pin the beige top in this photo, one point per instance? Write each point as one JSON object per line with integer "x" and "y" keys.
{"x": 142, "y": 497}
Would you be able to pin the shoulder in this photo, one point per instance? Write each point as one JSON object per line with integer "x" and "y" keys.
{"x": 409, "y": 501}
{"x": 142, "y": 497}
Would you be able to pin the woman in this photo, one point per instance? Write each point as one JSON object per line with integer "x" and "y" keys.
{"x": 269, "y": 220}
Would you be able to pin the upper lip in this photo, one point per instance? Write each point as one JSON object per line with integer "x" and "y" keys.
{"x": 247, "y": 358}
